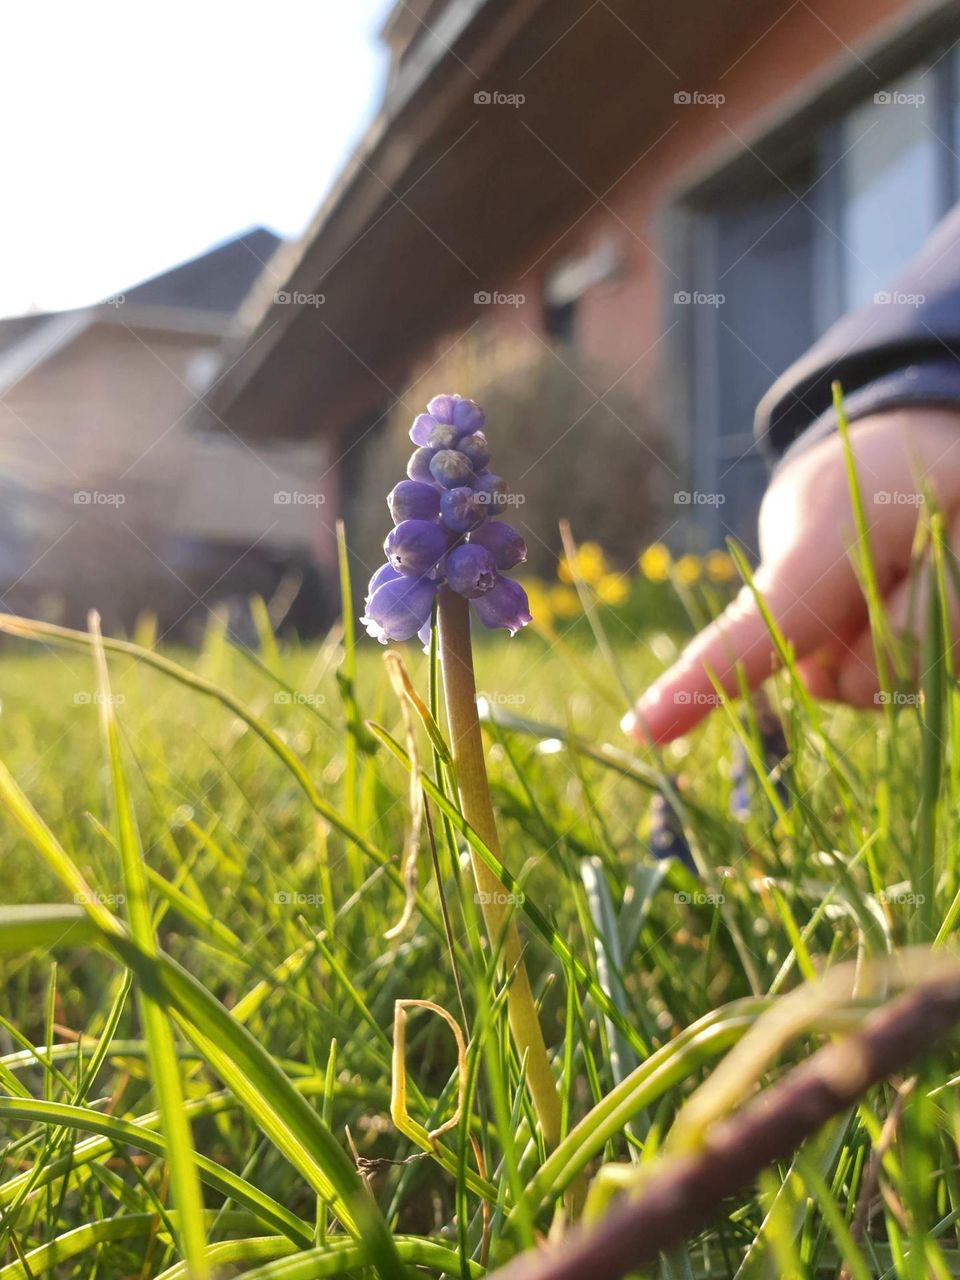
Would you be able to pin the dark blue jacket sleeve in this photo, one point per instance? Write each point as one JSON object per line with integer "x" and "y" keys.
{"x": 901, "y": 349}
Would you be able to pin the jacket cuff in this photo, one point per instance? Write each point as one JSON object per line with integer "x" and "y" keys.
{"x": 930, "y": 383}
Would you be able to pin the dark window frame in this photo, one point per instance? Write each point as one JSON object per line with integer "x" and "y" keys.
{"x": 812, "y": 128}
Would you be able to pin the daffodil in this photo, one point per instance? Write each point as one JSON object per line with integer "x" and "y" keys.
{"x": 613, "y": 588}
{"x": 590, "y": 564}
{"x": 719, "y": 566}
{"x": 655, "y": 562}
{"x": 539, "y": 600}
{"x": 688, "y": 569}
{"x": 564, "y": 601}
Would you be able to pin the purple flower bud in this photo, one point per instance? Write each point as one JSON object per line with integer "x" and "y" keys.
{"x": 459, "y": 510}
{"x": 418, "y": 468}
{"x": 476, "y": 449}
{"x": 491, "y": 492}
{"x": 386, "y": 573}
{"x": 502, "y": 541}
{"x": 450, "y": 468}
{"x": 413, "y": 500}
{"x": 415, "y": 546}
{"x": 471, "y": 571}
{"x": 667, "y": 836}
{"x": 441, "y": 533}
{"x": 455, "y": 411}
{"x": 422, "y": 429}
{"x": 441, "y": 408}
{"x": 505, "y": 605}
{"x": 399, "y": 608}
{"x": 467, "y": 416}
{"x": 444, "y": 436}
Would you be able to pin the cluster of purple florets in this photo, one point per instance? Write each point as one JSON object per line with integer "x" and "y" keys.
{"x": 444, "y": 532}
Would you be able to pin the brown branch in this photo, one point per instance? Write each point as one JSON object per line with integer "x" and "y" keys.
{"x": 687, "y": 1192}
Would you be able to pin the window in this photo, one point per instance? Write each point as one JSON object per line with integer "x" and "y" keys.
{"x": 560, "y": 321}
{"x": 890, "y": 196}
{"x": 779, "y": 255}
{"x": 569, "y": 280}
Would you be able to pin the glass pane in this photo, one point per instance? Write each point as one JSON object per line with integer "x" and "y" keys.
{"x": 890, "y": 188}
{"x": 764, "y": 250}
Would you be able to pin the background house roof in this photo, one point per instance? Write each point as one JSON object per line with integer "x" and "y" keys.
{"x": 199, "y": 296}
{"x": 15, "y": 328}
{"x": 218, "y": 280}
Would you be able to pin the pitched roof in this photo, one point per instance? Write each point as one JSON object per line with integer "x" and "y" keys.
{"x": 15, "y": 328}
{"x": 218, "y": 280}
{"x": 196, "y": 296}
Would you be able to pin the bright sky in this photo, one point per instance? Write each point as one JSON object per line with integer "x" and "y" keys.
{"x": 138, "y": 133}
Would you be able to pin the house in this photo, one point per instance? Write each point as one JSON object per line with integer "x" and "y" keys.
{"x": 685, "y": 194}
{"x": 108, "y": 498}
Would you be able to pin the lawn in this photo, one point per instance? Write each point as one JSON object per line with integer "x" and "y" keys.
{"x": 252, "y": 846}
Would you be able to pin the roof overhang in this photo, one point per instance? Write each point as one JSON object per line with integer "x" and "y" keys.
{"x": 447, "y": 196}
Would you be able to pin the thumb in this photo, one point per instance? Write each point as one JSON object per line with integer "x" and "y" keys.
{"x": 685, "y": 693}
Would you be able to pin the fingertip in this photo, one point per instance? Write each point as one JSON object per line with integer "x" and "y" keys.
{"x": 636, "y": 724}
{"x": 664, "y": 711}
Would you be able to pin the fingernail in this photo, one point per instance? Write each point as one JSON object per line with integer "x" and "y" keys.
{"x": 634, "y": 723}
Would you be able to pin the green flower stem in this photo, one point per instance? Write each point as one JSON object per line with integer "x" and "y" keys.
{"x": 460, "y": 692}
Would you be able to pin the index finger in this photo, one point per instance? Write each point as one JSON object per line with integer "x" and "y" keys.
{"x": 685, "y": 693}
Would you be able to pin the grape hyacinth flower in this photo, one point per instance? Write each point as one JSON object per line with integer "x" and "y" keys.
{"x": 447, "y": 547}
{"x": 773, "y": 744}
{"x": 445, "y": 531}
{"x": 667, "y": 837}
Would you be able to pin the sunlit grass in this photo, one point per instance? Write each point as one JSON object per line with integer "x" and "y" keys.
{"x": 267, "y": 842}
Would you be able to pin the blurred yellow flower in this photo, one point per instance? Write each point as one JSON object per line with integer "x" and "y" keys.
{"x": 720, "y": 566}
{"x": 688, "y": 569}
{"x": 564, "y": 601}
{"x": 655, "y": 563}
{"x": 613, "y": 588}
{"x": 590, "y": 564}
{"x": 539, "y": 598}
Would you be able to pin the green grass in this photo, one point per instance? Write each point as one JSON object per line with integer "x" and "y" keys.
{"x": 184, "y": 1045}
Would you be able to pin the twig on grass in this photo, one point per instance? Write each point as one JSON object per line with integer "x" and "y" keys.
{"x": 687, "y": 1191}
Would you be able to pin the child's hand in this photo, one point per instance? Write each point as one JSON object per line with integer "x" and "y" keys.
{"x": 806, "y": 575}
